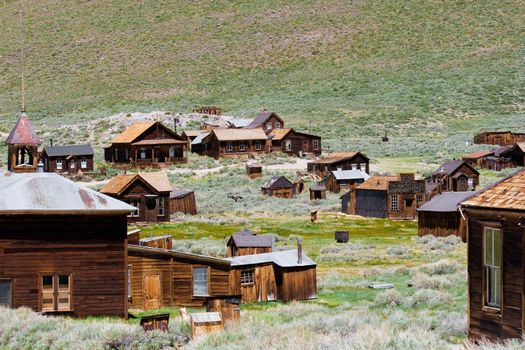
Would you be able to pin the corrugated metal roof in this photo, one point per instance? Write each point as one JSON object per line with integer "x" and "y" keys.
{"x": 41, "y": 193}
{"x": 350, "y": 174}
{"x": 69, "y": 150}
{"x": 177, "y": 193}
{"x": 206, "y": 317}
{"x": 508, "y": 193}
{"x": 159, "y": 181}
{"x": 446, "y": 201}
{"x": 132, "y": 132}
{"x": 285, "y": 258}
{"x": 239, "y": 134}
{"x": 247, "y": 238}
{"x": 199, "y": 138}
{"x": 23, "y": 133}
{"x": 377, "y": 182}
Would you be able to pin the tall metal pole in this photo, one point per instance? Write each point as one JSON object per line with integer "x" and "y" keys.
{"x": 22, "y": 55}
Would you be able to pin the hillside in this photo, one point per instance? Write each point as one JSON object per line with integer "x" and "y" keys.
{"x": 423, "y": 70}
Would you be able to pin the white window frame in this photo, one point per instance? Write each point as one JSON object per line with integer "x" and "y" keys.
{"x": 229, "y": 146}
{"x": 134, "y": 203}
{"x": 277, "y": 125}
{"x": 83, "y": 163}
{"x": 161, "y": 206}
{"x": 492, "y": 268}
{"x": 288, "y": 145}
{"x": 59, "y": 164}
{"x": 315, "y": 144}
{"x": 258, "y": 145}
{"x": 200, "y": 277}
{"x": 419, "y": 199}
{"x": 242, "y": 146}
{"x": 268, "y": 126}
{"x": 394, "y": 202}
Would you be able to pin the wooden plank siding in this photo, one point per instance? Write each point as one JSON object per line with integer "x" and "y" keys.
{"x": 442, "y": 224}
{"x": 91, "y": 249}
{"x": 184, "y": 204}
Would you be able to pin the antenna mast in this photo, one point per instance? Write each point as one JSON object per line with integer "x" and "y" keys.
{"x": 22, "y": 56}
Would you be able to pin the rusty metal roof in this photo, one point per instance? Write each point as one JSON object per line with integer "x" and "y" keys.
{"x": 508, "y": 193}
{"x": 22, "y": 133}
{"x": 158, "y": 181}
{"x": 479, "y": 154}
{"x": 48, "y": 193}
{"x": 132, "y": 132}
{"x": 377, "y": 182}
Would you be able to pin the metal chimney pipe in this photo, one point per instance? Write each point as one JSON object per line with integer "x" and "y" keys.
{"x": 51, "y": 141}
{"x": 299, "y": 251}
{"x": 175, "y": 120}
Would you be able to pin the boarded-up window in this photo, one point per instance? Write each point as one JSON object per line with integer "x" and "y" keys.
{"x": 247, "y": 277}
{"x": 200, "y": 281}
{"x": 64, "y": 292}
{"x": 492, "y": 266}
{"x": 55, "y": 291}
{"x": 5, "y": 293}
{"x": 394, "y": 202}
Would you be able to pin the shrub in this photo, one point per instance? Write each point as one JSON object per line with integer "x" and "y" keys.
{"x": 428, "y": 297}
{"x": 389, "y": 297}
{"x": 425, "y": 239}
{"x": 442, "y": 267}
{"x": 398, "y": 251}
{"x": 452, "y": 240}
{"x": 424, "y": 281}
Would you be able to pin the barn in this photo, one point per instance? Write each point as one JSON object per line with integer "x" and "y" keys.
{"x": 496, "y": 216}
{"x": 441, "y": 217}
{"x": 183, "y": 201}
{"x": 62, "y": 247}
{"x": 247, "y": 242}
{"x": 278, "y": 186}
{"x": 149, "y": 193}
{"x": 277, "y": 276}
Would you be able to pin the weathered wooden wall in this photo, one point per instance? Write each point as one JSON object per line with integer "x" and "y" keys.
{"x": 185, "y": 204}
{"x": 91, "y": 248}
{"x": 299, "y": 283}
{"x": 442, "y": 224}
{"x": 235, "y": 251}
{"x": 264, "y": 287}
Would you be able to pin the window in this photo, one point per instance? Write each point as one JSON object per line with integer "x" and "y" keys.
{"x": 419, "y": 199}
{"x": 59, "y": 164}
{"x": 55, "y": 291}
{"x": 258, "y": 145}
{"x": 246, "y": 277}
{"x": 354, "y": 166}
{"x": 72, "y": 164}
{"x": 315, "y": 144}
{"x": 394, "y": 202}
{"x": 277, "y": 125}
{"x": 136, "y": 204}
{"x": 288, "y": 145}
{"x": 142, "y": 153}
{"x": 492, "y": 266}
{"x": 471, "y": 183}
{"x": 229, "y": 146}
{"x": 83, "y": 163}
{"x": 200, "y": 281}
{"x": 160, "y": 207}
{"x": 130, "y": 291}
{"x": 241, "y": 146}
{"x": 5, "y": 293}
{"x": 268, "y": 126}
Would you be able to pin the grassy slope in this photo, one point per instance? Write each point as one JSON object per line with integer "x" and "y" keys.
{"x": 442, "y": 69}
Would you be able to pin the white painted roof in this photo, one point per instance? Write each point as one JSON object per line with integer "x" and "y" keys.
{"x": 285, "y": 258}
{"x": 350, "y": 174}
{"x": 41, "y": 193}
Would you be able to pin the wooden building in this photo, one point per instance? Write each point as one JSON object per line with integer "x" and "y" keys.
{"x": 317, "y": 192}
{"x": 149, "y": 193}
{"x": 247, "y": 242}
{"x": 393, "y": 197}
{"x": 70, "y": 159}
{"x": 183, "y": 201}
{"x": 295, "y": 143}
{"x": 344, "y": 179}
{"x": 498, "y": 158}
{"x": 254, "y": 170}
{"x": 453, "y": 175}
{"x": 496, "y": 285}
{"x": 62, "y": 247}
{"x": 339, "y": 161}
{"x": 160, "y": 277}
{"x": 267, "y": 121}
{"x": 229, "y": 143}
{"x": 440, "y": 216}
{"x": 147, "y": 144}
{"x": 22, "y": 147}
{"x": 476, "y": 159}
{"x": 278, "y": 186}
{"x": 502, "y": 138}
{"x": 278, "y": 276}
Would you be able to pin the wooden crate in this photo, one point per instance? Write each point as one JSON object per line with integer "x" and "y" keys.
{"x": 203, "y": 323}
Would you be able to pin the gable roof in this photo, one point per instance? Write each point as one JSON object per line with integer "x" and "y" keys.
{"x": 263, "y": 118}
{"x": 377, "y": 182}
{"x": 50, "y": 193}
{"x": 249, "y": 239}
{"x": 23, "y": 133}
{"x": 165, "y": 253}
{"x": 350, "y": 174}
{"x": 279, "y": 134}
{"x": 450, "y": 166}
{"x": 200, "y": 137}
{"x": 178, "y": 193}
{"x": 446, "y": 201}
{"x": 284, "y": 258}
{"x": 277, "y": 182}
{"x": 192, "y": 133}
{"x": 132, "y": 132}
{"x": 239, "y": 134}
{"x": 69, "y": 150}
{"x": 479, "y": 154}
{"x": 337, "y": 157}
{"x": 158, "y": 181}
{"x": 507, "y": 193}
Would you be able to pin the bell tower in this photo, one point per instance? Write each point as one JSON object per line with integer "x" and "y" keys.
{"x": 22, "y": 144}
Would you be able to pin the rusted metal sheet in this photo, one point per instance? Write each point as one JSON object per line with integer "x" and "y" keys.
{"x": 23, "y": 133}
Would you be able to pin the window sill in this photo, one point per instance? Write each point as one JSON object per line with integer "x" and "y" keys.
{"x": 491, "y": 311}
{"x": 247, "y": 285}
{"x": 200, "y": 296}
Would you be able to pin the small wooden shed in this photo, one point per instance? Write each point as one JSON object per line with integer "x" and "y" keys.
{"x": 317, "y": 192}
{"x": 164, "y": 242}
{"x": 253, "y": 170}
{"x": 247, "y": 242}
{"x": 278, "y": 186}
{"x": 441, "y": 217}
{"x": 203, "y": 323}
{"x": 183, "y": 201}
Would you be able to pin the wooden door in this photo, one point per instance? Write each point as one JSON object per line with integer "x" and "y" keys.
{"x": 409, "y": 208}
{"x": 152, "y": 291}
